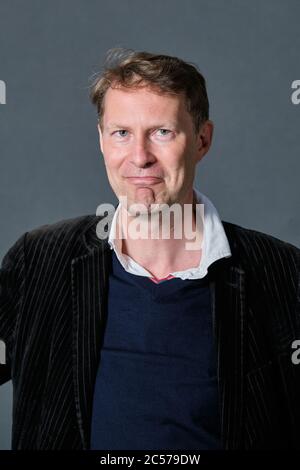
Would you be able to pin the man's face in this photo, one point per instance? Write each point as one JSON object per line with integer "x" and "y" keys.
{"x": 150, "y": 135}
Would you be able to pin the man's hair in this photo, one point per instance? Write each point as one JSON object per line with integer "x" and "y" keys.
{"x": 161, "y": 73}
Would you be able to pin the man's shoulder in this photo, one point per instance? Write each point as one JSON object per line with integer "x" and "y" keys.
{"x": 57, "y": 242}
{"x": 259, "y": 248}
{"x": 257, "y": 235}
{"x": 64, "y": 232}
{"x": 76, "y": 225}
{"x": 62, "y": 236}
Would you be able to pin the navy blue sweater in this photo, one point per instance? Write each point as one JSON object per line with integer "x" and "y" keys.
{"x": 156, "y": 387}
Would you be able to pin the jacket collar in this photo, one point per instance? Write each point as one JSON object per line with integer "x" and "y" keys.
{"x": 90, "y": 275}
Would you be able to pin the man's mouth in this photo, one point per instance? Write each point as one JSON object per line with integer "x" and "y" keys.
{"x": 144, "y": 180}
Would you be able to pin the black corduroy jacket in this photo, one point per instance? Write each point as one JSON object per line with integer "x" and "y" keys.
{"x": 53, "y": 302}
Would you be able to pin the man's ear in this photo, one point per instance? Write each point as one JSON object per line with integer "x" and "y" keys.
{"x": 100, "y": 137}
{"x": 204, "y": 138}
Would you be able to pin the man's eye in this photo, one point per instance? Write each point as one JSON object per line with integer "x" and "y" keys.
{"x": 121, "y": 132}
{"x": 165, "y": 131}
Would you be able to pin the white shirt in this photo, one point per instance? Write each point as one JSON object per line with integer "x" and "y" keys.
{"x": 214, "y": 244}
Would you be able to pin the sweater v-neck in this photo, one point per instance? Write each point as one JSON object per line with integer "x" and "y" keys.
{"x": 156, "y": 288}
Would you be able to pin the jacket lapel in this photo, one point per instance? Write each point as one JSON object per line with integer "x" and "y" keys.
{"x": 89, "y": 296}
{"x": 229, "y": 320}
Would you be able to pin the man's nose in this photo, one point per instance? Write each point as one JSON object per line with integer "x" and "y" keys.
{"x": 141, "y": 154}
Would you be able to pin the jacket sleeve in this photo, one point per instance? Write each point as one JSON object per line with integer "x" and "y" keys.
{"x": 12, "y": 275}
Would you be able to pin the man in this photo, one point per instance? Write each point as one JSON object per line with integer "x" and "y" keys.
{"x": 127, "y": 342}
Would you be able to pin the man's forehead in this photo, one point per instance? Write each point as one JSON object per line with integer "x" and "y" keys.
{"x": 115, "y": 110}
{"x": 146, "y": 92}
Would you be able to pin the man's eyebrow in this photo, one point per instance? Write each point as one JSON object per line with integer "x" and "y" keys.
{"x": 153, "y": 126}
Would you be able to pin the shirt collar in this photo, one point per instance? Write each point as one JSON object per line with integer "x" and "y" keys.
{"x": 215, "y": 244}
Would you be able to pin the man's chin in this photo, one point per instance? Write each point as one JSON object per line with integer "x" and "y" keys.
{"x": 140, "y": 204}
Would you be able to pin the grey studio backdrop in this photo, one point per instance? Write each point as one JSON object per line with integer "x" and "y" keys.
{"x": 51, "y": 166}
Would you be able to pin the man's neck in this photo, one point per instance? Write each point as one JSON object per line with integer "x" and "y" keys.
{"x": 160, "y": 256}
